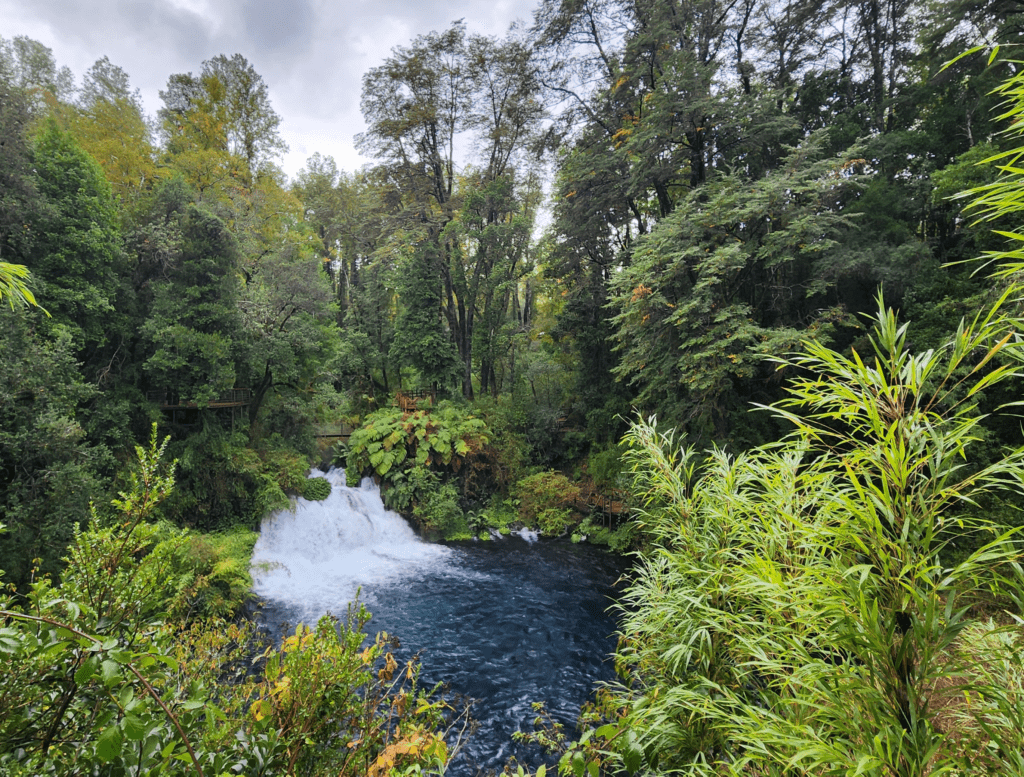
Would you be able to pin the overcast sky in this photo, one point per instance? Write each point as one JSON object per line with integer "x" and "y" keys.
{"x": 311, "y": 53}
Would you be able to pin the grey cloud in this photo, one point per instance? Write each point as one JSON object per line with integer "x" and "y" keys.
{"x": 279, "y": 28}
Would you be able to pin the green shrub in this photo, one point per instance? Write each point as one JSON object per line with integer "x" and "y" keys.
{"x": 223, "y": 483}
{"x": 316, "y": 489}
{"x": 554, "y": 521}
{"x": 605, "y": 467}
{"x": 207, "y": 575}
{"x": 438, "y": 511}
{"x": 544, "y": 491}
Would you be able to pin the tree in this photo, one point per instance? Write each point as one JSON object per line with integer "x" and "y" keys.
{"x": 251, "y": 122}
{"x": 20, "y": 200}
{"x": 76, "y": 254}
{"x": 109, "y": 122}
{"x": 49, "y": 471}
{"x": 418, "y": 106}
{"x": 288, "y": 326}
{"x": 220, "y": 125}
{"x": 30, "y": 66}
{"x": 731, "y": 277}
{"x": 420, "y": 339}
{"x": 193, "y": 323}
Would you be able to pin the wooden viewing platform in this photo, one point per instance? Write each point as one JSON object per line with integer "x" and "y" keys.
{"x": 188, "y": 414}
{"x": 171, "y": 400}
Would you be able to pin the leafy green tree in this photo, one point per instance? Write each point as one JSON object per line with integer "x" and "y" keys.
{"x": 30, "y": 66}
{"x": 20, "y": 200}
{"x": 76, "y": 252}
{"x": 109, "y": 122}
{"x": 420, "y": 338}
{"x": 288, "y": 327}
{"x": 49, "y": 471}
{"x": 731, "y": 277}
{"x": 427, "y": 100}
{"x": 194, "y": 319}
{"x": 251, "y": 121}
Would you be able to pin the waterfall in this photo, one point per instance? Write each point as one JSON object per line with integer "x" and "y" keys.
{"x": 317, "y": 555}
{"x": 507, "y": 623}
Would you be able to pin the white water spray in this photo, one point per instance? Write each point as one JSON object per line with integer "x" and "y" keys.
{"x": 318, "y": 554}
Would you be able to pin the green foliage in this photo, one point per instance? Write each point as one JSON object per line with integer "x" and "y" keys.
{"x": 224, "y": 483}
{"x": 732, "y": 277}
{"x": 418, "y": 455}
{"x": 545, "y": 501}
{"x": 554, "y": 521}
{"x": 49, "y": 471}
{"x": 438, "y": 511}
{"x": 207, "y": 575}
{"x": 14, "y": 280}
{"x": 621, "y": 539}
{"x": 795, "y": 597}
{"x": 606, "y": 466}
{"x": 316, "y": 489}
{"x": 420, "y": 339}
{"x": 77, "y": 259}
{"x": 193, "y": 321}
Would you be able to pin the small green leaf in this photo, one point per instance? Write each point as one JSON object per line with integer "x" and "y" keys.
{"x": 134, "y": 729}
{"x": 86, "y": 671}
{"x": 109, "y": 670}
{"x": 109, "y": 744}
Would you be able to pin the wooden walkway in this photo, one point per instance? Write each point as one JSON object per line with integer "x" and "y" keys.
{"x": 611, "y": 506}
{"x": 187, "y": 414}
{"x": 333, "y": 432}
{"x": 171, "y": 400}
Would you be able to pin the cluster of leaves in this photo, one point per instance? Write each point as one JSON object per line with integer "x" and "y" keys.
{"x": 98, "y": 677}
{"x": 428, "y": 460}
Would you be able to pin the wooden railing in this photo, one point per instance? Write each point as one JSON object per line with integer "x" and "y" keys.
{"x": 165, "y": 398}
{"x": 410, "y": 401}
{"x": 611, "y": 506}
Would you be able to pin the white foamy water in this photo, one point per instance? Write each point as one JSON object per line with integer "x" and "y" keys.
{"x": 318, "y": 554}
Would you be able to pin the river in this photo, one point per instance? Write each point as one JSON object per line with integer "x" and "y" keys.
{"x": 506, "y": 622}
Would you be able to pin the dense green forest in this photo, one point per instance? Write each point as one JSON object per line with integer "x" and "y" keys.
{"x": 585, "y": 251}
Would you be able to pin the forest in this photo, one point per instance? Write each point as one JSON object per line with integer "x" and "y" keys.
{"x": 731, "y": 285}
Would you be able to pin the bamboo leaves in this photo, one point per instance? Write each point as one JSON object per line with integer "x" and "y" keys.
{"x": 794, "y": 597}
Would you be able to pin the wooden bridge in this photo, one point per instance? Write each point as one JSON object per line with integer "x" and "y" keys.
{"x": 171, "y": 400}
{"x": 610, "y": 507}
{"x": 333, "y": 432}
{"x": 186, "y": 413}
